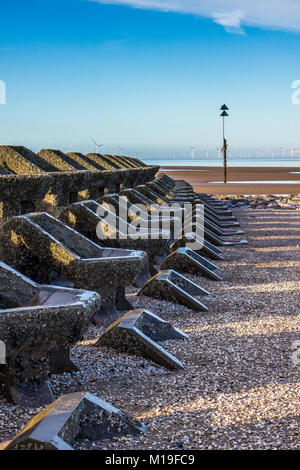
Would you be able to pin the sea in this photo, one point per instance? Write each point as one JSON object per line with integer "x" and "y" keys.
{"x": 234, "y": 162}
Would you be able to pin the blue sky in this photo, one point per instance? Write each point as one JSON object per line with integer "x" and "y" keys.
{"x": 146, "y": 79}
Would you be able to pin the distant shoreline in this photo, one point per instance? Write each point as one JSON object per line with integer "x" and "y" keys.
{"x": 241, "y": 180}
{"x": 220, "y": 167}
{"x": 232, "y": 163}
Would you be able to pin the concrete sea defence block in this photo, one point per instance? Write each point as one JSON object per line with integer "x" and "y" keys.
{"x": 18, "y": 193}
{"x": 170, "y": 285}
{"x": 70, "y": 178}
{"x": 41, "y": 238}
{"x": 38, "y": 325}
{"x": 85, "y": 217}
{"x": 23, "y": 161}
{"x": 138, "y": 332}
{"x": 208, "y": 249}
{"x": 84, "y": 161}
{"x": 105, "y": 161}
{"x": 101, "y": 162}
{"x": 60, "y": 160}
{"x": 73, "y": 417}
{"x": 188, "y": 261}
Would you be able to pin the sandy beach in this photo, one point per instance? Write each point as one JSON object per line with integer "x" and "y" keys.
{"x": 240, "y": 180}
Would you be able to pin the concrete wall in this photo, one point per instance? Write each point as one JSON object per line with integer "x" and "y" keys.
{"x": 20, "y": 194}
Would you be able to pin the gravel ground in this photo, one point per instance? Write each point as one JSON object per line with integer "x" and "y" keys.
{"x": 269, "y": 201}
{"x": 240, "y": 388}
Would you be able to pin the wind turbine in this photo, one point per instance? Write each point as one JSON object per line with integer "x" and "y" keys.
{"x": 123, "y": 149}
{"x": 97, "y": 145}
{"x": 193, "y": 151}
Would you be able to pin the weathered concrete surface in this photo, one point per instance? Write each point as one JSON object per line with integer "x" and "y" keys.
{"x": 158, "y": 224}
{"x": 97, "y": 158}
{"x": 188, "y": 261}
{"x": 153, "y": 207}
{"x": 169, "y": 285}
{"x": 18, "y": 192}
{"x": 40, "y": 238}
{"x": 119, "y": 162}
{"x": 208, "y": 249}
{"x": 104, "y": 161}
{"x": 89, "y": 218}
{"x": 53, "y": 180}
{"x": 137, "y": 332}
{"x": 60, "y": 160}
{"x": 22, "y": 161}
{"x": 153, "y": 197}
{"x": 219, "y": 241}
{"x": 130, "y": 161}
{"x": 151, "y": 193}
{"x": 74, "y": 416}
{"x": 156, "y": 188}
{"x": 212, "y": 232}
{"x": 84, "y": 161}
{"x": 138, "y": 223}
{"x": 38, "y": 325}
{"x": 136, "y": 161}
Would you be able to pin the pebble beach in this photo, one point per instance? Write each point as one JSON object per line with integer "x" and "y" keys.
{"x": 240, "y": 388}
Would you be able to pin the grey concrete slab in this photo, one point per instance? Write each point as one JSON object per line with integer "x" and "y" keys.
{"x": 41, "y": 238}
{"x": 188, "y": 261}
{"x": 138, "y": 332}
{"x": 38, "y": 325}
{"x": 73, "y": 417}
{"x": 170, "y": 285}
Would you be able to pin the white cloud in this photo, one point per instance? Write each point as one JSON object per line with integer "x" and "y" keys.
{"x": 232, "y": 21}
{"x": 232, "y": 14}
